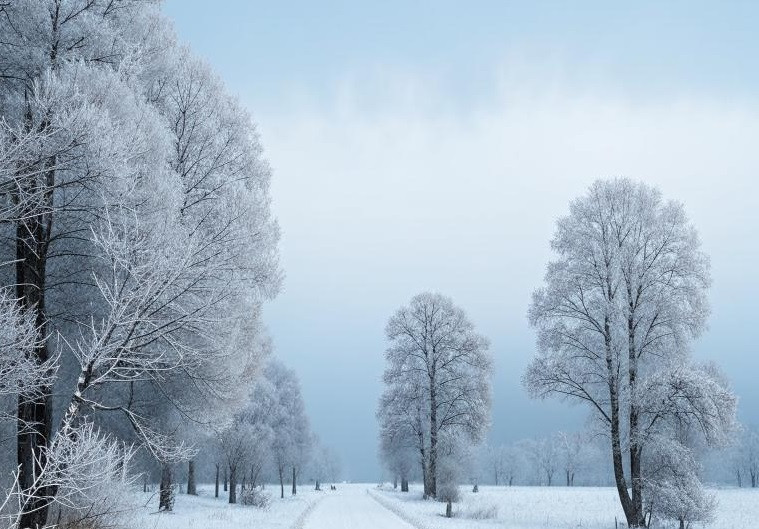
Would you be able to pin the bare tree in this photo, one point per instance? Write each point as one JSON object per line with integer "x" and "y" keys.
{"x": 438, "y": 366}
{"x": 620, "y": 304}
{"x": 571, "y": 452}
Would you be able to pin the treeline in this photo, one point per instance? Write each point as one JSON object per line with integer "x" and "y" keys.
{"x": 138, "y": 248}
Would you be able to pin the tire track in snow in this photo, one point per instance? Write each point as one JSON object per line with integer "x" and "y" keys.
{"x": 400, "y": 513}
{"x": 300, "y": 521}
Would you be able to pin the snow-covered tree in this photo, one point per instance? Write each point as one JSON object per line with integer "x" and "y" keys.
{"x": 572, "y": 453}
{"x": 503, "y": 462}
{"x": 620, "y": 305}
{"x": 545, "y": 457}
{"x": 291, "y": 444}
{"x": 438, "y": 377}
{"x": 135, "y": 214}
{"x": 400, "y": 429}
{"x": 325, "y": 464}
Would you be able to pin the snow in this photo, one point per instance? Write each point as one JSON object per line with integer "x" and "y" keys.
{"x": 366, "y": 506}
{"x": 548, "y": 508}
{"x": 352, "y": 507}
{"x": 207, "y": 512}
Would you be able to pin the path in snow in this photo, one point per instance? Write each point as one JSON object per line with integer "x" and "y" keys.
{"x": 351, "y": 507}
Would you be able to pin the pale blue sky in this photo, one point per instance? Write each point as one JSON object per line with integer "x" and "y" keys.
{"x": 432, "y": 145}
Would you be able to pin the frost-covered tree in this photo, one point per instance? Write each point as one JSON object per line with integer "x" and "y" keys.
{"x": 545, "y": 457}
{"x": 135, "y": 219}
{"x": 325, "y": 465}
{"x": 744, "y": 457}
{"x": 399, "y": 438}
{"x": 503, "y": 462}
{"x": 291, "y": 443}
{"x": 438, "y": 377}
{"x": 620, "y": 305}
{"x": 572, "y": 452}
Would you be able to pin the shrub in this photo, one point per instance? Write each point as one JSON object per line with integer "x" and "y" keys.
{"x": 255, "y": 497}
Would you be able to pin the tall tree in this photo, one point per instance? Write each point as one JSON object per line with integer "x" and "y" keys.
{"x": 439, "y": 368}
{"x": 135, "y": 212}
{"x": 291, "y": 442}
{"x": 620, "y": 304}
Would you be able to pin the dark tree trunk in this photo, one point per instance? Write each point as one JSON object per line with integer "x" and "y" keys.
{"x": 216, "y": 491}
{"x": 34, "y": 412}
{"x": 232, "y": 485}
{"x": 166, "y": 494}
{"x": 295, "y": 486}
{"x": 636, "y": 477}
{"x": 425, "y": 470}
{"x": 448, "y": 509}
{"x": 281, "y": 482}
{"x": 191, "y": 488}
{"x": 616, "y": 443}
{"x": 317, "y": 485}
{"x": 225, "y": 478}
{"x": 433, "y": 440}
{"x": 404, "y": 485}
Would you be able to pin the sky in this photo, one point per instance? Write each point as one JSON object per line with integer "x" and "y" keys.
{"x": 432, "y": 145}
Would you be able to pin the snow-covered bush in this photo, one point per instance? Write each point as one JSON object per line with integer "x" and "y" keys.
{"x": 255, "y": 497}
{"x": 673, "y": 490}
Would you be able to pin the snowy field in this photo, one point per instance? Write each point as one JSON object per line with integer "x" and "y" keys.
{"x": 206, "y": 512}
{"x": 365, "y": 506}
{"x": 548, "y": 508}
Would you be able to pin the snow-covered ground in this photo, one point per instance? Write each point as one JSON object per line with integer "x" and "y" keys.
{"x": 365, "y": 506}
{"x": 548, "y": 508}
{"x": 206, "y": 512}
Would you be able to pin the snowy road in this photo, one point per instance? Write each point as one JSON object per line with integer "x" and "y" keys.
{"x": 351, "y": 507}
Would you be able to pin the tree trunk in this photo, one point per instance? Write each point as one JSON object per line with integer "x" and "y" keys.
{"x": 425, "y": 471}
{"x": 636, "y": 477}
{"x": 216, "y": 490}
{"x": 395, "y": 482}
{"x": 166, "y": 494}
{"x": 191, "y": 488}
{"x": 225, "y": 478}
{"x": 404, "y": 485}
{"x": 232, "y": 485}
{"x": 295, "y": 486}
{"x": 34, "y": 412}
{"x": 448, "y": 509}
{"x": 616, "y": 443}
{"x": 433, "y": 440}
{"x": 317, "y": 485}
{"x": 281, "y": 482}
{"x": 567, "y": 472}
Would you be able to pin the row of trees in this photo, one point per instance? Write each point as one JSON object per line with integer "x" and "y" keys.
{"x": 562, "y": 459}
{"x": 137, "y": 250}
